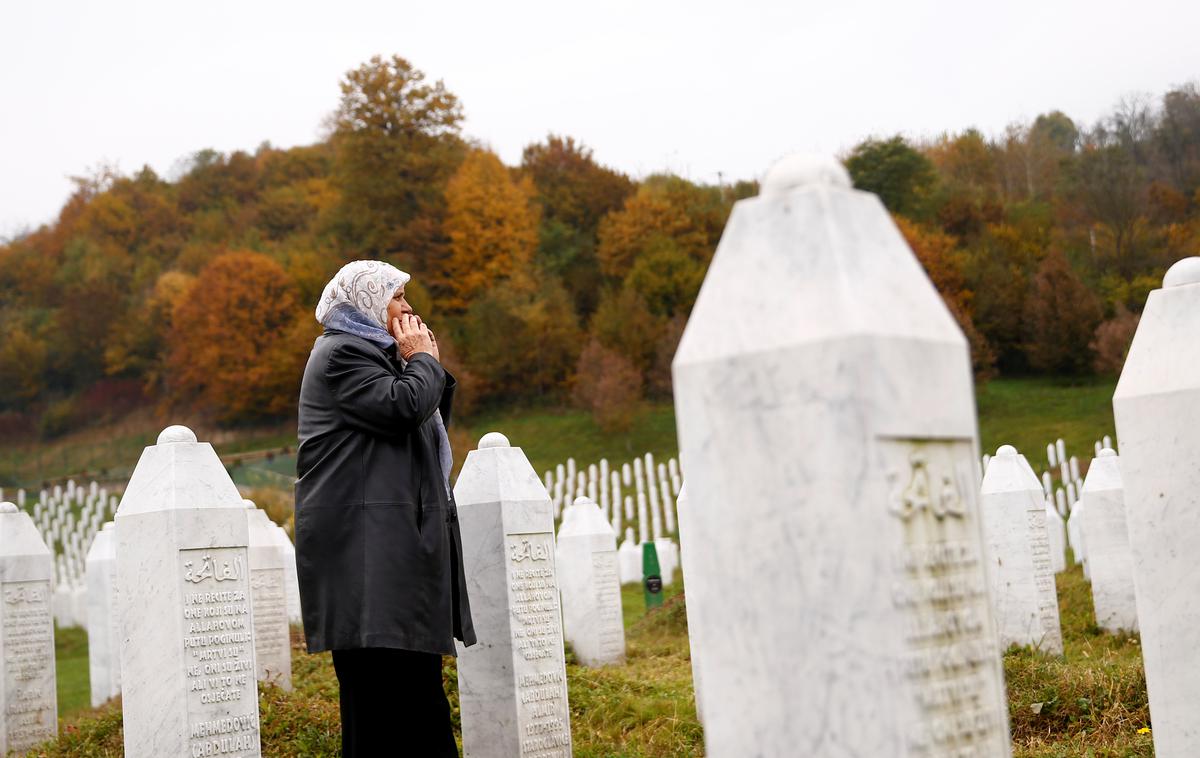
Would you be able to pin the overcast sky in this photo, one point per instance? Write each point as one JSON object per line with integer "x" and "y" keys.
{"x": 691, "y": 87}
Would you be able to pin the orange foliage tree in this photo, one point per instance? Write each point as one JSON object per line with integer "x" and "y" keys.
{"x": 492, "y": 226}
{"x": 239, "y": 339}
{"x": 664, "y": 207}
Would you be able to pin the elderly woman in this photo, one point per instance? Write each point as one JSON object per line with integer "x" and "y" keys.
{"x": 378, "y": 552}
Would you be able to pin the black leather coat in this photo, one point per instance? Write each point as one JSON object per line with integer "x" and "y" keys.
{"x": 378, "y": 551}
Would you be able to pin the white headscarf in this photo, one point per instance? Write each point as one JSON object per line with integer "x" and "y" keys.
{"x": 356, "y": 299}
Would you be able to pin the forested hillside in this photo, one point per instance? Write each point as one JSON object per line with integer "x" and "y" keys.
{"x": 559, "y": 279}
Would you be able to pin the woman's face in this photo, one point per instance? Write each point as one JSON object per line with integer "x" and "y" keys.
{"x": 398, "y": 306}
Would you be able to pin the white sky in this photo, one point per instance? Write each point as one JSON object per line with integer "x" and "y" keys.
{"x": 692, "y": 87}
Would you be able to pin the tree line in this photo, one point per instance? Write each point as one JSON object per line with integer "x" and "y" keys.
{"x": 560, "y": 279}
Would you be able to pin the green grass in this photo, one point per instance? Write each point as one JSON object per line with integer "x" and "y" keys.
{"x": 642, "y": 709}
{"x": 1089, "y": 702}
{"x": 550, "y": 437}
{"x": 1031, "y": 413}
{"x": 71, "y": 664}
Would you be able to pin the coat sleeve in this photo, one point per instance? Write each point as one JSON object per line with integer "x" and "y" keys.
{"x": 374, "y": 400}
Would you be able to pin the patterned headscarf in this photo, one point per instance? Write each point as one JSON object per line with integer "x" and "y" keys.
{"x": 356, "y": 299}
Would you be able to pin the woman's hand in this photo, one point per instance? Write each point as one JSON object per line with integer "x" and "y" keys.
{"x": 412, "y": 337}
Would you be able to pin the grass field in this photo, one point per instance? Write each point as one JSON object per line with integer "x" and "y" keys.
{"x": 1090, "y": 702}
{"x": 1027, "y": 413}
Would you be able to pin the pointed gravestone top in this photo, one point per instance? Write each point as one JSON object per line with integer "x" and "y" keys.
{"x": 493, "y": 439}
{"x": 176, "y": 473}
{"x": 586, "y": 518}
{"x": 803, "y": 170}
{"x": 176, "y": 433}
{"x": 1104, "y": 473}
{"x": 1186, "y": 271}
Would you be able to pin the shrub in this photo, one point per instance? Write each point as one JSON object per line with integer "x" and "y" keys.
{"x": 607, "y": 384}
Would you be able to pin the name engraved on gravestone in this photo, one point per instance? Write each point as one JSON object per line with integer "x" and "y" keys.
{"x": 537, "y": 638}
{"x": 1043, "y": 572}
{"x": 30, "y": 715}
{"x": 939, "y": 586}
{"x": 218, "y": 648}
{"x": 270, "y": 613}
{"x": 606, "y": 580}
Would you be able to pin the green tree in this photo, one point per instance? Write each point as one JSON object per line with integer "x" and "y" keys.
{"x": 903, "y": 178}
{"x": 397, "y": 144}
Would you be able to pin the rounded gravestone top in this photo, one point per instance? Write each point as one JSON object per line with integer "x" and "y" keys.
{"x": 493, "y": 439}
{"x": 584, "y": 500}
{"x": 1005, "y": 450}
{"x": 7, "y": 507}
{"x": 108, "y": 526}
{"x": 1107, "y": 452}
{"x": 249, "y": 504}
{"x": 804, "y": 170}
{"x": 629, "y": 533}
{"x": 176, "y": 433}
{"x": 1185, "y": 271}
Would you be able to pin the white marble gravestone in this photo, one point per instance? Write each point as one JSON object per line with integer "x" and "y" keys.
{"x": 826, "y": 418}
{"x": 268, "y": 596}
{"x": 1157, "y": 410}
{"x": 513, "y": 684}
{"x": 590, "y": 584}
{"x": 1109, "y": 560}
{"x": 1013, "y": 507}
{"x": 30, "y": 700}
{"x": 104, "y": 638}
{"x": 187, "y": 657}
{"x": 630, "y": 558}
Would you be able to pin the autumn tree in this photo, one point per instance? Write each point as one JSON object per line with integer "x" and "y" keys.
{"x": 574, "y": 192}
{"x": 691, "y": 217}
{"x": 944, "y": 262}
{"x": 239, "y": 340}
{"x": 1060, "y": 319}
{"x": 609, "y": 386}
{"x": 397, "y": 143}
{"x": 491, "y": 224}
{"x": 1112, "y": 341}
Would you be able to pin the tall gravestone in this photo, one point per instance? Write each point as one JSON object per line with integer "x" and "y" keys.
{"x": 1157, "y": 410}
{"x": 104, "y": 634}
{"x": 187, "y": 656}
{"x": 512, "y": 685}
{"x": 826, "y": 418}
{"x": 629, "y": 556}
{"x": 268, "y": 595}
{"x": 589, "y": 579}
{"x": 1013, "y": 506}
{"x": 30, "y": 699}
{"x": 1109, "y": 558}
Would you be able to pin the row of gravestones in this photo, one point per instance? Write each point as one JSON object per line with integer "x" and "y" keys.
{"x": 188, "y": 608}
{"x": 1025, "y": 541}
{"x": 651, "y": 521}
{"x": 849, "y": 608}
